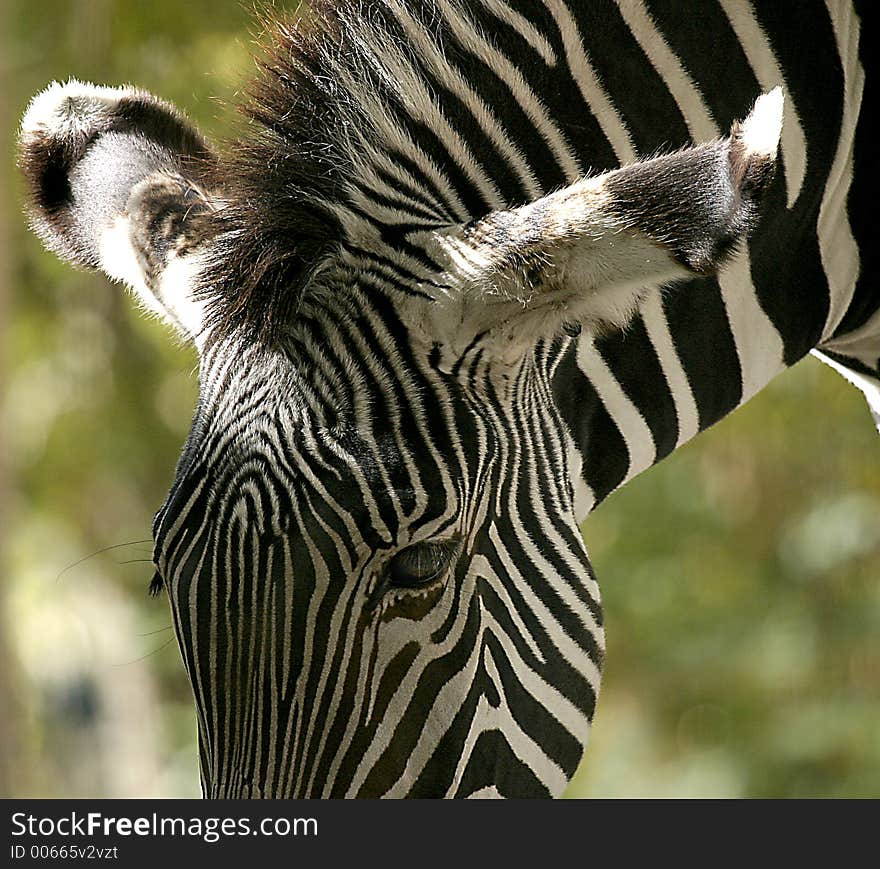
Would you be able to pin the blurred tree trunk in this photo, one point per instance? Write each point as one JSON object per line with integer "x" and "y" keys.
{"x": 10, "y": 747}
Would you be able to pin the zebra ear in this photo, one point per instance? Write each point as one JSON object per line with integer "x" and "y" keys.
{"x": 701, "y": 202}
{"x": 588, "y": 253}
{"x": 113, "y": 176}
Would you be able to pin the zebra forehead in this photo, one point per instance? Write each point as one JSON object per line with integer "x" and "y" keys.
{"x": 345, "y": 112}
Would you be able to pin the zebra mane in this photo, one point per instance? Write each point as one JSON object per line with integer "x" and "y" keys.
{"x": 338, "y": 113}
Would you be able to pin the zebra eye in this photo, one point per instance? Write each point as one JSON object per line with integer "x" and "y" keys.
{"x": 421, "y": 563}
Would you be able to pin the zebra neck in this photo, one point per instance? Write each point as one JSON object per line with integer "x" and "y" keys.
{"x": 698, "y": 351}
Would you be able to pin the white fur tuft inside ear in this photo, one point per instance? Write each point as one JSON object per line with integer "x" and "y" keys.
{"x": 762, "y": 129}
{"x": 170, "y": 296}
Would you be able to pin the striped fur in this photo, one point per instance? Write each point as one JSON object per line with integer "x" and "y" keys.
{"x": 337, "y": 428}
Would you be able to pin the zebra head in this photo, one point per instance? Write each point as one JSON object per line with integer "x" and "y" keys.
{"x": 371, "y": 547}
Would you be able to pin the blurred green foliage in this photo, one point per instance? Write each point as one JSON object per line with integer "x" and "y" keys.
{"x": 96, "y": 403}
{"x": 740, "y": 578}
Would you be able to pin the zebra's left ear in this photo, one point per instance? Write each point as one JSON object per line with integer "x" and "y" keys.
{"x": 588, "y": 253}
{"x": 114, "y": 180}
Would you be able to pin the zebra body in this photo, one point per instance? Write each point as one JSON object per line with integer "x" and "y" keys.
{"x": 437, "y": 325}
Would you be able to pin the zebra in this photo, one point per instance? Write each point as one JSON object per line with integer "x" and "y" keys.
{"x": 474, "y": 265}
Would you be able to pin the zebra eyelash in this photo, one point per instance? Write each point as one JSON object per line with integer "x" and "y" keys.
{"x": 421, "y": 564}
{"x": 440, "y": 555}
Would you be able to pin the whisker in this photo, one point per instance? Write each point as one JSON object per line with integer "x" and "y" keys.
{"x": 157, "y": 631}
{"x": 99, "y": 552}
{"x": 148, "y": 655}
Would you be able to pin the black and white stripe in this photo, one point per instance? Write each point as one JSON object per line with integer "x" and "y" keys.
{"x": 359, "y": 400}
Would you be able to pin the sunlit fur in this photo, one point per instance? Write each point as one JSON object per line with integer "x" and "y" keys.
{"x": 430, "y": 305}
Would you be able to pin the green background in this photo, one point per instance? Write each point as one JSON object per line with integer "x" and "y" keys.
{"x": 740, "y": 578}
